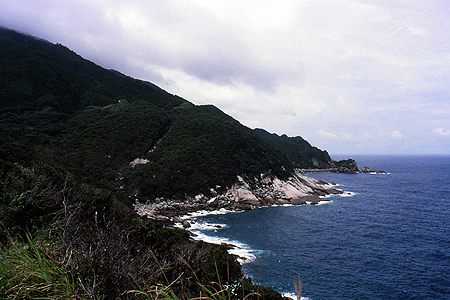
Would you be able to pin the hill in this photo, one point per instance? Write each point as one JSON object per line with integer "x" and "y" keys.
{"x": 80, "y": 145}
{"x": 68, "y": 109}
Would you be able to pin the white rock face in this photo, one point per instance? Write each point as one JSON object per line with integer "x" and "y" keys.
{"x": 139, "y": 161}
{"x": 266, "y": 191}
{"x": 271, "y": 189}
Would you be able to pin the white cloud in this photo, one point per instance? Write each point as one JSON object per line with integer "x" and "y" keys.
{"x": 288, "y": 66}
{"x": 397, "y": 135}
{"x": 439, "y": 131}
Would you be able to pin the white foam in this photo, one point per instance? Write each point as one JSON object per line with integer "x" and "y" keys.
{"x": 198, "y": 225}
{"x": 293, "y": 296}
{"x": 245, "y": 253}
{"x": 281, "y": 205}
{"x": 203, "y": 213}
{"x": 347, "y": 194}
{"x": 324, "y": 202}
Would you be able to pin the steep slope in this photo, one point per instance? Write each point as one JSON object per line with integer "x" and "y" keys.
{"x": 36, "y": 74}
{"x": 92, "y": 234}
{"x": 204, "y": 150}
{"x": 298, "y": 150}
{"x": 95, "y": 122}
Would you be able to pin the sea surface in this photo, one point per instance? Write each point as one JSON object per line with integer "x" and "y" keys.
{"x": 389, "y": 238}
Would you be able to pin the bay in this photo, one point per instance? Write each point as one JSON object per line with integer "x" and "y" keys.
{"x": 390, "y": 240}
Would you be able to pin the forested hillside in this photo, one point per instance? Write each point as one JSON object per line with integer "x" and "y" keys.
{"x": 80, "y": 144}
{"x": 297, "y": 149}
{"x": 94, "y": 122}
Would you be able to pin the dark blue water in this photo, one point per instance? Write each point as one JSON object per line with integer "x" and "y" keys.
{"x": 391, "y": 240}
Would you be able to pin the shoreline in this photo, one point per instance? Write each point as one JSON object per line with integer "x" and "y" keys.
{"x": 243, "y": 195}
{"x": 206, "y": 231}
{"x": 267, "y": 192}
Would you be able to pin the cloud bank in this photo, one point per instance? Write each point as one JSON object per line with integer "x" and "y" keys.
{"x": 350, "y": 76}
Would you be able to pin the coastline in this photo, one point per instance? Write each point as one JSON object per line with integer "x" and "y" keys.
{"x": 243, "y": 195}
{"x": 269, "y": 191}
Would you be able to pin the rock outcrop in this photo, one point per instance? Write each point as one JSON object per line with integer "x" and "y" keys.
{"x": 366, "y": 169}
{"x": 338, "y": 166}
{"x": 244, "y": 195}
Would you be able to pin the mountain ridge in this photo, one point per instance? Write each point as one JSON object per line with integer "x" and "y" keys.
{"x": 46, "y": 89}
{"x": 82, "y": 147}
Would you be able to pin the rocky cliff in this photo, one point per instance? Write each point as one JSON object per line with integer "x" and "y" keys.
{"x": 244, "y": 195}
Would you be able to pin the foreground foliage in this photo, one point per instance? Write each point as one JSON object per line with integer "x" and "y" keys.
{"x": 99, "y": 239}
{"x": 87, "y": 243}
{"x": 29, "y": 271}
{"x": 68, "y": 132}
{"x": 28, "y": 274}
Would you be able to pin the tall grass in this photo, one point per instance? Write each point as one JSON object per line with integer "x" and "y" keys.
{"x": 25, "y": 273}
{"x": 298, "y": 288}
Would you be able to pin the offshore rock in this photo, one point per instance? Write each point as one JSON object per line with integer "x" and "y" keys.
{"x": 366, "y": 169}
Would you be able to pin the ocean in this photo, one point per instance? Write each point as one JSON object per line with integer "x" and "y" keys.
{"x": 388, "y": 238}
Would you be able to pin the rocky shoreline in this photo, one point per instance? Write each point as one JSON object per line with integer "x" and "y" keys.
{"x": 244, "y": 195}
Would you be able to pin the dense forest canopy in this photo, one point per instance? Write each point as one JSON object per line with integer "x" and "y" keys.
{"x": 94, "y": 122}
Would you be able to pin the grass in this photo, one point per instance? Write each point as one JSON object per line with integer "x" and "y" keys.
{"x": 298, "y": 288}
{"x": 27, "y": 274}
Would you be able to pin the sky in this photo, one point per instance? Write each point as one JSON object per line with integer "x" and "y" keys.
{"x": 349, "y": 76}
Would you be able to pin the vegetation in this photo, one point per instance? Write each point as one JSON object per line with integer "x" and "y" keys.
{"x": 68, "y": 132}
{"x": 94, "y": 122}
{"x": 89, "y": 236}
{"x": 298, "y": 150}
{"x": 205, "y": 149}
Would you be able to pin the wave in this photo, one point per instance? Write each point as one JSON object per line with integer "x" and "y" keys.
{"x": 293, "y": 296}
{"x": 348, "y": 194}
{"x": 324, "y": 202}
{"x": 244, "y": 252}
{"x": 198, "y": 225}
{"x": 204, "y": 213}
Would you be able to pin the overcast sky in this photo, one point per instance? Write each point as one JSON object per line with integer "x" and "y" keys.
{"x": 349, "y": 76}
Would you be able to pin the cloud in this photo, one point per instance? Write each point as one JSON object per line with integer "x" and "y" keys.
{"x": 395, "y": 134}
{"x": 439, "y": 131}
{"x": 288, "y": 66}
{"x": 328, "y": 135}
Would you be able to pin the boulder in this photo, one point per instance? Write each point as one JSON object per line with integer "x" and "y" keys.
{"x": 186, "y": 224}
{"x": 298, "y": 201}
{"x": 245, "y": 195}
{"x": 313, "y": 199}
{"x": 366, "y": 169}
{"x": 213, "y": 202}
{"x": 270, "y": 200}
{"x": 282, "y": 201}
{"x": 177, "y": 219}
